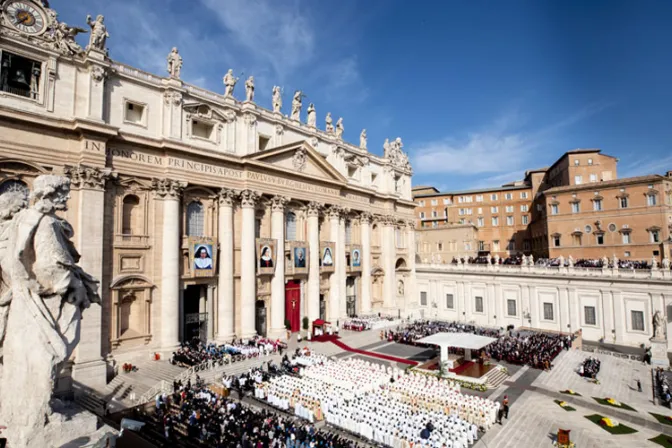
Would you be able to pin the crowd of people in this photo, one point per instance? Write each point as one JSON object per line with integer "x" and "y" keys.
{"x": 663, "y": 380}
{"x": 411, "y": 333}
{"x": 537, "y": 350}
{"x": 196, "y": 352}
{"x": 382, "y": 405}
{"x": 589, "y": 368}
{"x": 596, "y": 263}
{"x": 373, "y": 322}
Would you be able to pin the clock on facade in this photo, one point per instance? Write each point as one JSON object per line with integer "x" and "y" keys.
{"x": 25, "y": 17}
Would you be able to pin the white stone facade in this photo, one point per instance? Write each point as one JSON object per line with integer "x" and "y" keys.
{"x": 156, "y": 162}
{"x": 616, "y": 306}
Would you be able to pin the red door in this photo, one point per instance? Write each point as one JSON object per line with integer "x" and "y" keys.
{"x": 293, "y": 304}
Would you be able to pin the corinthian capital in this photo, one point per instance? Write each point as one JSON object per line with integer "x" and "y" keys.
{"x": 168, "y": 188}
{"x": 410, "y": 224}
{"x": 313, "y": 208}
{"x": 365, "y": 217}
{"x": 334, "y": 212}
{"x": 226, "y": 196}
{"x": 278, "y": 203}
{"x": 249, "y": 198}
{"x": 86, "y": 177}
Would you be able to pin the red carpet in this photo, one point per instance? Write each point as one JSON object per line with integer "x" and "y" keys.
{"x": 324, "y": 338}
{"x": 334, "y": 340}
{"x": 462, "y": 367}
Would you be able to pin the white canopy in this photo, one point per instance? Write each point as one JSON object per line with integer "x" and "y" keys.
{"x": 461, "y": 340}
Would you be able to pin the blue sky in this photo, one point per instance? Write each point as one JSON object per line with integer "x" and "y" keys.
{"x": 479, "y": 91}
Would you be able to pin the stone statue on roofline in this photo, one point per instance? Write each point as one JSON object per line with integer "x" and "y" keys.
{"x": 43, "y": 296}
{"x": 312, "y": 116}
{"x": 339, "y": 128}
{"x": 249, "y": 89}
{"x": 174, "y": 63}
{"x": 99, "y": 34}
{"x": 328, "y": 124}
{"x": 229, "y": 83}
{"x": 297, "y": 103}
{"x": 277, "y": 99}
{"x": 362, "y": 139}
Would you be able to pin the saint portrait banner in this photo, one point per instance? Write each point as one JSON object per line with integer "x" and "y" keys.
{"x": 202, "y": 256}
{"x": 266, "y": 256}
{"x": 327, "y": 250}
{"x": 299, "y": 257}
{"x": 355, "y": 258}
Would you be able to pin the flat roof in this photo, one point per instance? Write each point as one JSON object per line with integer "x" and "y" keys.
{"x": 461, "y": 340}
{"x": 475, "y": 191}
{"x": 606, "y": 184}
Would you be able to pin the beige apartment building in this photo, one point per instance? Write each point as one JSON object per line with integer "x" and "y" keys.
{"x": 442, "y": 244}
{"x": 576, "y": 207}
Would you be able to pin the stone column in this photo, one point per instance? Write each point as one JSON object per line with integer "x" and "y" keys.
{"x": 388, "y": 244}
{"x": 170, "y": 191}
{"x": 97, "y": 75}
{"x": 341, "y": 267}
{"x": 225, "y": 297}
{"x": 313, "y": 300}
{"x": 410, "y": 292}
{"x": 334, "y": 214}
{"x": 248, "y": 277}
{"x": 210, "y": 309}
{"x": 89, "y": 368}
{"x": 365, "y": 220}
{"x": 278, "y": 282}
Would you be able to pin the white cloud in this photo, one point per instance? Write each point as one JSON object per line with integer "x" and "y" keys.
{"x": 645, "y": 166}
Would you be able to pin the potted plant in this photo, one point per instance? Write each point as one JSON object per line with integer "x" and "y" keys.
{"x": 306, "y": 324}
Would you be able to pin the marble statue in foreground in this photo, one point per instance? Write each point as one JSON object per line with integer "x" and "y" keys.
{"x": 48, "y": 293}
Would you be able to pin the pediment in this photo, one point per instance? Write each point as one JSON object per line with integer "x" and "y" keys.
{"x": 300, "y": 158}
{"x": 204, "y": 111}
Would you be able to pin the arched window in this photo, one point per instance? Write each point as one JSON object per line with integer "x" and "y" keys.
{"x": 195, "y": 219}
{"x": 14, "y": 185}
{"x": 290, "y": 227}
{"x": 348, "y": 232}
{"x": 130, "y": 218}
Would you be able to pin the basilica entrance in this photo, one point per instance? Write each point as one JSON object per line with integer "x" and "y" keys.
{"x": 350, "y": 297}
{"x": 260, "y": 318}
{"x": 195, "y": 317}
{"x": 293, "y": 305}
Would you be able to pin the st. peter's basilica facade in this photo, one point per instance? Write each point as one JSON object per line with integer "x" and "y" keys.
{"x": 201, "y": 213}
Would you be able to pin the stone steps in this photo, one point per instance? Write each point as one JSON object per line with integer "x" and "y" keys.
{"x": 91, "y": 402}
{"x": 496, "y": 378}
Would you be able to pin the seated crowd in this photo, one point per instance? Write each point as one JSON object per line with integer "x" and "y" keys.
{"x": 589, "y": 368}
{"x": 410, "y": 333}
{"x": 518, "y": 260}
{"x": 373, "y": 322}
{"x": 196, "y": 352}
{"x": 537, "y": 350}
{"x": 663, "y": 381}
{"x": 382, "y": 405}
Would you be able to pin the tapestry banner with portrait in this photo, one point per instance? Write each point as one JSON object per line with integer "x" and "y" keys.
{"x": 298, "y": 253}
{"x": 327, "y": 250}
{"x": 266, "y": 256}
{"x": 202, "y": 256}
{"x": 355, "y": 258}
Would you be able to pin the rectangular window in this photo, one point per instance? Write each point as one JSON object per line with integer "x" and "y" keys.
{"x": 435, "y": 202}
{"x": 578, "y": 180}
{"x": 525, "y": 220}
{"x": 202, "y": 130}
{"x": 523, "y": 195}
{"x": 593, "y": 177}
{"x": 626, "y": 238}
{"x": 637, "y": 320}
{"x": 576, "y": 207}
{"x": 422, "y": 203}
{"x": 494, "y": 209}
{"x": 480, "y": 210}
{"x": 434, "y": 214}
{"x": 495, "y": 246}
{"x": 524, "y": 208}
{"x": 548, "y": 311}
{"x": 495, "y": 221}
{"x": 20, "y": 76}
{"x": 511, "y": 307}
{"x": 576, "y": 162}
{"x": 450, "y": 302}
{"x": 589, "y": 315}
{"x": 265, "y": 140}
{"x": 554, "y": 209}
{"x": 481, "y": 245}
{"x": 439, "y": 247}
{"x": 623, "y": 202}
{"x": 422, "y": 215}
{"x": 435, "y": 224}
{"x": 655, "y": 236}
{"x": 479, "y": 304}
{"x": 135, "y": 113}
{"x": 509, "y": 220}
{"x": 556, "y": 241}
{"x": 480, "y": 222}
{"x": 597, "y": 205}
{"x": 447, "y": 202}
{"x": 599, "y": 237}
{"x": 590, "y": 161}
{"x": 576, "y": 239}
{"x": 651, "y": 200}
{"x": 508, "y": 196}
{"x": 493, "y": 197}
{"x": 479, "y": 198}
{"x": 509, "y": 209}
{"x": 423, "y": 298}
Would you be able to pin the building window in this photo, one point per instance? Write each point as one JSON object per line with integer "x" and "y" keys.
{"x": 435, "y": 224}
{"x": 599, "y": 238}
{"x": 480, "y": 222}
{"x": 511, "y": 246}
{"x": 13, "y": 185}
{"x": 508, "y": 196}
{"x": 495, "y": 221}
{"x": 524, "y": 208}
{"x": 511, "y": 307}
{"x": 447, "y": 202}
{"x": 523, "y": 195}
{"x": 434, "y": 214}
{"x": 590, "y": 161}
{"x": 467, "y": 246}
{"x": 556, "y": 241}
{"x": 422, "y": 215}
{"x": 348, "y": 232}
{"x": 264, "y": 140}
{"x": 290, "y": 226}
{"x": 435, "y": 202}
{"x": 130, "y": 217}
{"x": 450, "y": 302}
{"x": 493, "y": 197}
{"x": 423, "y": 298}
{"x": 20, "y": 76}
{"x": 626, "y": 238}
{"x": 422, "y": 203}
{"x": 597, "y": 205}
{"x": 479, "y": 198}
{"x": 202, "y": 130}
{"x": 554, "y": 209}
{"x": 637, "y": 318}
{"x": 494, "y": 209}
{"x": 576, "y": 207}
{"x": 525, "y": 220}
{"x": 495, "y": 246}
{"x": 576, "y": 162}
{"x": 509, "y": 220}
{"x": 481, "y": 245}
{"x": 612, "y": 227}
{"x": 478, "y": 304}
{"x": 655, "y": 236}
{"x": 480, "y": 210}
{"x": 623, "y": 202}
{"x": 626, "y": 253}
{"x": 589, "y": 315}
{"x": 578, "y": 180}
{"x": 134, "y": 113}
{"x": 548, "y": 311}
{"x": 593, "y": 177}
{"x": 651, "y": 200}
{"x": 509, "y": 209}
{"x": 576, "y": 239}
{"x": 195, "y": 219}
